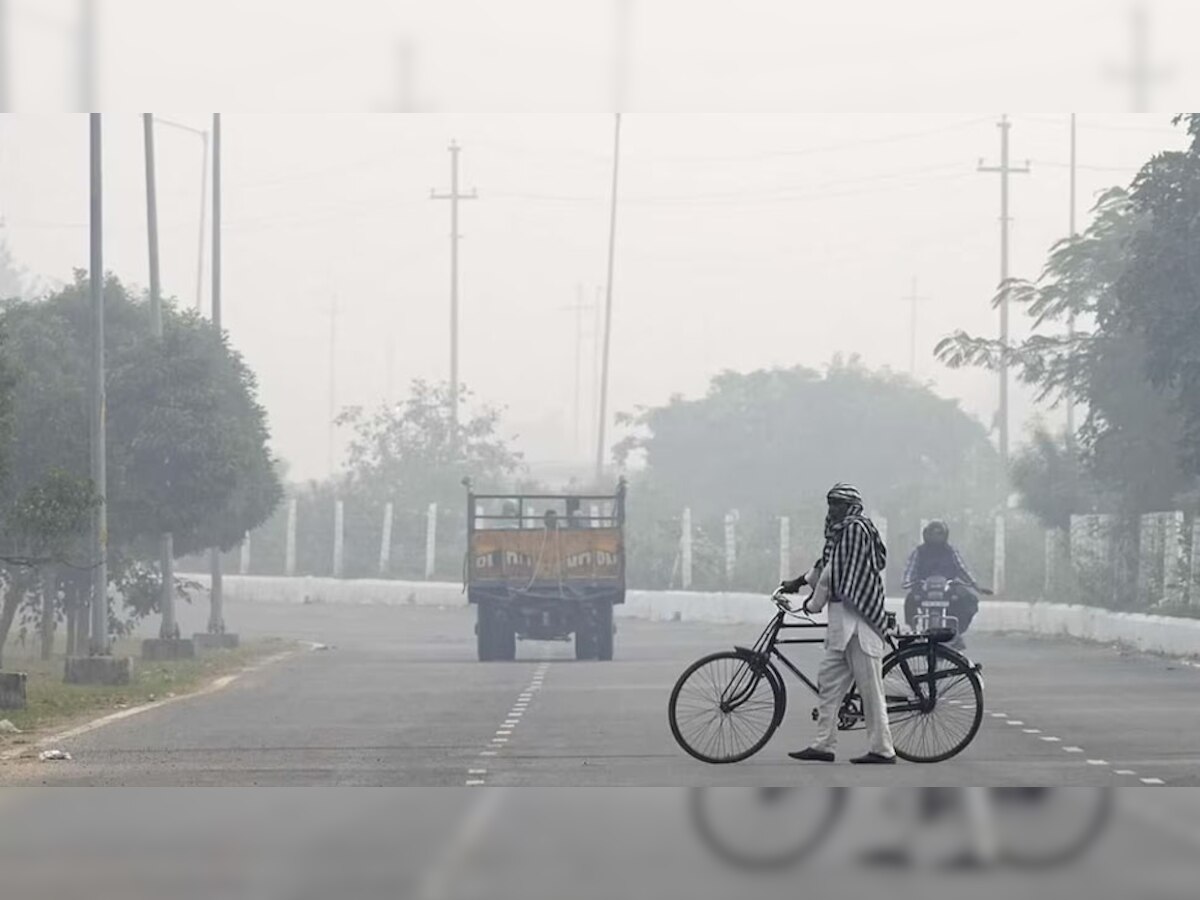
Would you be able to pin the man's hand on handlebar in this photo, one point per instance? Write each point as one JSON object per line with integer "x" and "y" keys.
{"x": 793, "y": 586}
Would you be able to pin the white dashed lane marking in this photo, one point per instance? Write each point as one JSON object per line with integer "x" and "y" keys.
{"x": 477, "y": 777}
{"x": 1072, "y": 749}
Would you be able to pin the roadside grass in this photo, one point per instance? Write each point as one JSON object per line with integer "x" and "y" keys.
{"x": 53, "y": 704}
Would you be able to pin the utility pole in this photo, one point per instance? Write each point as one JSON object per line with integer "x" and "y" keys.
{"x": 216, "y": 619}
{"x": 913, "y": 299}
{"x": 1140, "y": 74}
{"x": 168, "y": 630}
{"x": 579, "y": 308}
{"x": 454, "y": 197}
{"x": 1071, "y": 315}
{"x": 623, "y": 13}
{"x": 597, "y": 331}
{"x": 88, "y": 73}
{"x": 608, "y": 299}
{"x": 406, "y": 72}
{"x": 99, "y": 643}
{"x": 5, "y": 56}
{"x": 203, "y": 135}
{"x": 1005, "y": 169}
{"x": 333, "y": 313}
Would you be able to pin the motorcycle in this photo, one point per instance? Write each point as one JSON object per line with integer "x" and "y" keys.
{"x": 935, "y": 596}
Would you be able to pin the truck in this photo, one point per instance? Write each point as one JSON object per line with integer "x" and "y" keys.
{"x": 545, "y": 567}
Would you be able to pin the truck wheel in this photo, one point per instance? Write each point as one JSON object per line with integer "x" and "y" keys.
{"x": 585, "y": 641}
{"x": 604, "y": 631}
{"x": 485, "y": 627}
{"x": 506, "y": 639}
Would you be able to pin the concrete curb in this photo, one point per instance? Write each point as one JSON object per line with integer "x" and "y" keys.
{"x": 1168, "y": 635}
{"x": 217, "y": 684}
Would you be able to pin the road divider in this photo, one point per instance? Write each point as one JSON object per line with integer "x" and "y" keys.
{"x": 1168, "y": 635}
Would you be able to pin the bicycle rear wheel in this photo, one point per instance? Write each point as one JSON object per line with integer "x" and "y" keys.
{"x": 724, "y": 708}
{"x": 765, "y": 829}
{"x": 1043, "y": 827}
{"x": 931, "y": 724}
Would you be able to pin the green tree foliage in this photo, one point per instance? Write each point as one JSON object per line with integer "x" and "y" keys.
{"x": 771, "y": 443}
{"x": 412, "y": 453}
{"x": 1130, "y": 284}
{"x": 187, "y": 438}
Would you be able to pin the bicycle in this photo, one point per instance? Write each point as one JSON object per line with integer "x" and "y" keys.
{"x": 726, "y": 706}
{"x": 775, "y": 828}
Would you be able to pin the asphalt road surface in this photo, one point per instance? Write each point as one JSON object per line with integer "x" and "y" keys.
{"x": 401, "y": 701}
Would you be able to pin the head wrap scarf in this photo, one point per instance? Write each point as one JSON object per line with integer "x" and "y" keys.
{"x": 855, "y": 555}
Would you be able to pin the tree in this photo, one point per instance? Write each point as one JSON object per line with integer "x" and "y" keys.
{"x": 1132, "y": 441}
{"x": 187, "y": 439}
{"x": 771, "y": 443}
{"x": 413, "y": 453}
{"x": 1159, "y": 286}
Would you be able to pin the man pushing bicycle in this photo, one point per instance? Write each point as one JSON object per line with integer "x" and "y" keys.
{"x": 847, "y": 579}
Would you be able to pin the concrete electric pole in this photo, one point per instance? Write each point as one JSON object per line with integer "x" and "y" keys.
{"x": 454, "y": 196}
{"x": 1005, "y": 169}
{"x": 608, "y": 300}
{"x": 913, "y": 299}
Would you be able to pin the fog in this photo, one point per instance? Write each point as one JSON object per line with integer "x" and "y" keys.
{"x": 744, "y": 242}
{"x": 746, "y": 238}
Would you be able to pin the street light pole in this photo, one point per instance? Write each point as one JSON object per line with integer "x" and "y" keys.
{"x": 168, "y": 628}
{"x": 203, "y": 135}
{"x": 608, "y": 300}
{"x": 99, "y": 639}
{"x": 216, "y": 620}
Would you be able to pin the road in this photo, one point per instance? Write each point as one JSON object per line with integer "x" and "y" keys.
{"x": 401, "y": 701}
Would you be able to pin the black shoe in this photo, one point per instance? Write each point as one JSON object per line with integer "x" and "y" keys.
{"x": 812, "y": 754}
{"x": 874, "y": 759}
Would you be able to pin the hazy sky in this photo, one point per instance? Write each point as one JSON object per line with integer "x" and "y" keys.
{"x": 744, "y": 241}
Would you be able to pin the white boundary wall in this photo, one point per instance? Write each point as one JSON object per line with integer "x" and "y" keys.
{"x": 1156, "y": 634}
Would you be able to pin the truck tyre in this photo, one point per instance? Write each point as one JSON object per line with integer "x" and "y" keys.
{"x": 506, "y": 639}
{"x": 485, "y": 632}
{"x": 604, "y": 630}
{"x": 496, "y": 637}
{"x": 585, "y": 640}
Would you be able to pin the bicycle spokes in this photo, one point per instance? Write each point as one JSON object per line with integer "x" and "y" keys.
{"x": 723, "y": 708}
{"x": 934, "y": 711}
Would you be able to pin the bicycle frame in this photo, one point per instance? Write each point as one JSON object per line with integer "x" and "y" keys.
{"x": 766, "y": 650}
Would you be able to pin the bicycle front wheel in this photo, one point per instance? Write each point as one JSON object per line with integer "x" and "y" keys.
{"x": 931, "y": 718}
{"x": 725, "y": 708}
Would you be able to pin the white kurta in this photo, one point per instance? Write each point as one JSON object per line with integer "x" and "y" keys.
{"x": 844, "y": 620}
{"x": 853, "y": 651}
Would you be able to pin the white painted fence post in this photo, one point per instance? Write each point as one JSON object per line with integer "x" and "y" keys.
{"x": 1194, "y": 568}
{"x": 244, "y": 559}
{"x": 731, "y": 519}
{"x": 785, "y": 548}
{"x": 998, "y": 567}
{"x": 430, "y": 540}
{"x": 1051, "y": 565}
{"x": 685, "y": 549}
{"x": 289, "y": 566}
{"x": 1149, "y": 560}
{"x": 385, "y": 542}
{"x": 1173, "y": 571}
{"x": 339, "y": 536}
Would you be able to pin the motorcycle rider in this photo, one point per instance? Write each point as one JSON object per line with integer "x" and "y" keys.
{"x": 936, "y": 556}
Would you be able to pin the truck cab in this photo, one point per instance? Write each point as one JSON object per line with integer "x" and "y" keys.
{"x": 545, "y": 567}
